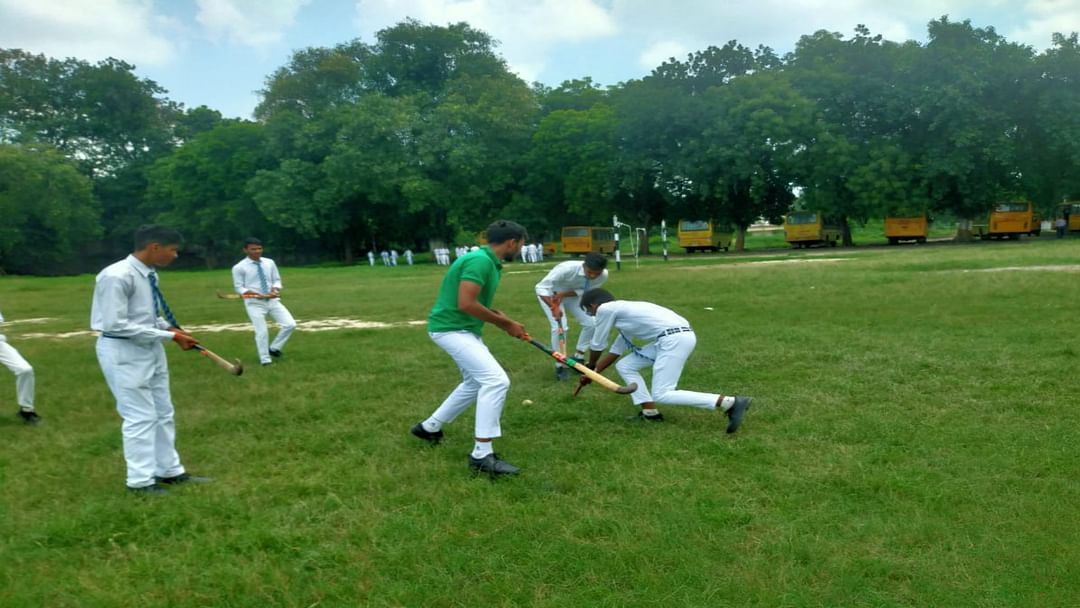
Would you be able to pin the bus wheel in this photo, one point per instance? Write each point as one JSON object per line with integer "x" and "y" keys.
{"x": 893, "y": 240}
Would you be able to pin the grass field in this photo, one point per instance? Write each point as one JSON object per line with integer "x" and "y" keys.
{"x": 914, "y": 441}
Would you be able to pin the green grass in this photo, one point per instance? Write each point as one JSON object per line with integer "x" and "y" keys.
{"x": 913, "y": 442}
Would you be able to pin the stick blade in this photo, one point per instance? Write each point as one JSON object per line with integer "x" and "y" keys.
{"x": 238, "y": 368}
{"x": 626, "y": 390}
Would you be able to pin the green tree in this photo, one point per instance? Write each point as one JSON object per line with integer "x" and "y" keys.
{"x": 48, "y": 208}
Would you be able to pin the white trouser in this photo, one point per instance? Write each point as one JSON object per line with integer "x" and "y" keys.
{"x": 24, "y": 374}
{"x": 569, "y": 305}
{"x": 257, "y": 311}
{"x": 138, "y": 377}
{"x": 666, "y": 356}
{"x": 484, "y": 382}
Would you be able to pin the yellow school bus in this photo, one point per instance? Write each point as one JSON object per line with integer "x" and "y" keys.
{"x": 914, "y": 228}
{"x": 1071, "y": 212}
{"x": 807, "y": 228}
{"x": 577, "y": 240}
{"x": 701, "y": 235}
{"x": 1009, "y": 220}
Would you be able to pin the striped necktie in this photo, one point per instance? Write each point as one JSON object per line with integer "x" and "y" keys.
{"x": 264, "y": 287}
{"x": 159, "y": 301}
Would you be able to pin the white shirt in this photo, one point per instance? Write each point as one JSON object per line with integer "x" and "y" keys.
{"x": 2, "y": 337}
{"x": 124, "y": 306}
{"x": 634, "y": 320}
{"x": 567, "y": 276}
{"x": 245, "y": 275}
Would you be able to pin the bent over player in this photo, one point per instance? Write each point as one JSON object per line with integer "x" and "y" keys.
{"x": 461, "y": 309}
{"x": 125, "y": 309}
{"x": 256, "y": 278}
{"x": 671, "y": 343}
{"x": 559, "y": 291}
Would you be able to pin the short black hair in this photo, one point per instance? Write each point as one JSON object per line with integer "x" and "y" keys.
{"x": 596, "y": 296}
{"x": 251, "y": 241}
{"x": 505, "y": 230}
{"x": 156, "y": 233}
{"x": 595, "y": 261}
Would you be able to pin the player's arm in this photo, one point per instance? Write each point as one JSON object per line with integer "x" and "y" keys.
{"x": 467, "y": 302}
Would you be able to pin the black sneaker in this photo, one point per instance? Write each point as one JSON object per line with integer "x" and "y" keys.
{"x": 151, "y": 490}
{"x": 657, "y": 417}
{"x": 30, "y": 417}
{"x": 182, "y": 478}
{"x": 432, "y": 438}
{"x": 492, "y": 465}
{"x": 275, "y": 353}
{"x": 736, "y": 411}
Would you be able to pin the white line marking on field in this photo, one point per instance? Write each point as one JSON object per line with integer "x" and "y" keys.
{"x": 34, "y": 321}
{"x": 330, "y": 324}
{"x": 1052, "y": 268}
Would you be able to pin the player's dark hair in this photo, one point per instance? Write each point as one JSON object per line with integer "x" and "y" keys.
{"x": 505, "y": 230}
{"x": 251, "y": 241}
{"x": 156, "y": 233}
{"x": 595, "y": 261}
{"x": 596, "y": 296}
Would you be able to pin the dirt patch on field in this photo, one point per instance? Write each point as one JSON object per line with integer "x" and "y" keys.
{"x": 331, "y": 324}
{"x": 761, "y": 263}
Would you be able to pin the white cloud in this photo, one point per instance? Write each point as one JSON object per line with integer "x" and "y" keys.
{"x": 1046, "y": 17}
{"x": 254, "y": 23}
{"x": 662, "y": 51}
{"x": 91, "y": 31}
{"x": 527, "y": 32}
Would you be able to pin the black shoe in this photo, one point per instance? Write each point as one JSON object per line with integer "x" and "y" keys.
{"x": 30, "y": 417}
{"x": 151, "y": 490}
{"x": 562, "y": 373}
{"x": 432, "y": 438}
{"x": 182, "y": 478}
{"x": 275, "y": 353}
{"x": 492, "y": 465}
{"x": 736, "y": 411}
{"x": 658, "y": 417}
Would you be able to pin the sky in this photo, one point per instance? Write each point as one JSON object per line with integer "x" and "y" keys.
{"x": 219, "y": 53}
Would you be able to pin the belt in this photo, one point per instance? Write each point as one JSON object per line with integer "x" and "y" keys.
{"x": 115, "y": 337}
{"x": 673, "y": 330}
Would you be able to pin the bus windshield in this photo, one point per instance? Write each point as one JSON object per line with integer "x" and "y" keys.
{"x": 802, "y": 217}
{"x": 1010, "y": 207}
{"x": 575, "y": 232}
{"x": 688, "y": 225}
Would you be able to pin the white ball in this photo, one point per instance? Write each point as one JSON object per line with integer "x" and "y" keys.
{"x": 526, "y": 402}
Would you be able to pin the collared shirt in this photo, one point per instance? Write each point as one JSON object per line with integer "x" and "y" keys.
{"x": 124, "y": 306}
{"x": 245, "y": 275}
{"x": 567, "y": 276}
{"x": 634, "y": 320}
{"x": 481, "y": 267}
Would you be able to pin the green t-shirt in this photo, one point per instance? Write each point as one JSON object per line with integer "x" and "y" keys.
{"x": 481, "y": 267}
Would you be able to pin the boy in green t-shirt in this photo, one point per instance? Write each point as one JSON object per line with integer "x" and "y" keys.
{"x": 461, "y": 309}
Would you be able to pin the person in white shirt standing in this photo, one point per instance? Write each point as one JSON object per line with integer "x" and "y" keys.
{"x": 671, "y": 341}
{"x": 256, "y": 278}
{"x": 559, "y": 291}
{"x": 125, "y": 311}
{"x": 24, "y": 379}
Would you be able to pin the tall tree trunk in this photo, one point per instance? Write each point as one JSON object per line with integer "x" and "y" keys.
{"x": 845, "y": 231}
{"x": 740, "y": 238}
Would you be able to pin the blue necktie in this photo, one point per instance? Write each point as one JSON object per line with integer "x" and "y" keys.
{"x": 159, "y": 300}
{"x": 263, "y": 286}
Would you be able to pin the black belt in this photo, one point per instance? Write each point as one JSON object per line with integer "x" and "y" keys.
{"x": 673, "y": 330}
{"x": 115, "y": 337}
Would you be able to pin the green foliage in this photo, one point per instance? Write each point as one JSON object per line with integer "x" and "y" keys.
{"x": 48, "y": 211}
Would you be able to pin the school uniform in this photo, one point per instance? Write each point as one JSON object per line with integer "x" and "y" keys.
{"x": 132, "y": 358}
{"x": 670, "y": 343}
{"x": 24, "y": 372}
{"x": 262, "y": 277}
{"x": 569, "y": 276}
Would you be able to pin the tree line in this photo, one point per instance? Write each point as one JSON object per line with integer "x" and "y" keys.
{"x": 426, "y": 135}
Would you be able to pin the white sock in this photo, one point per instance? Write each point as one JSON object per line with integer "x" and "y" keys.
{"x": 727, "y": 402}
{"x": 649, "y": 413}
{"x": 481, "y": 449}
{"x": 432, "y": 425}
